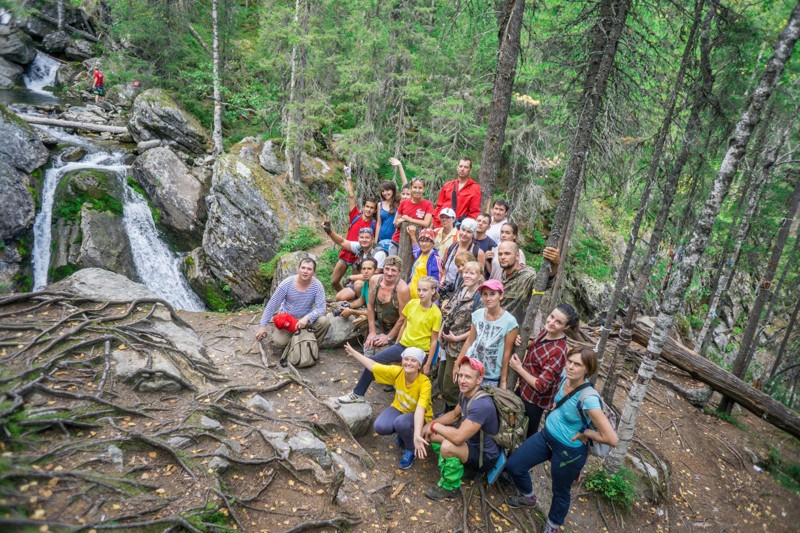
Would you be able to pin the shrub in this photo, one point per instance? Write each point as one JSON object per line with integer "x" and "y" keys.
{"x": 787, "y": 474}
{"x": 592, "y": 257}
{"x": 302, "y": 238}
{"x": 619, "y": 488}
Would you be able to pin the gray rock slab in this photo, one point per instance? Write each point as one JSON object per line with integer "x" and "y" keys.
{"x": 258, "y": 403}
{"x": 20, "y": 146}
{"x": 305, "y": 443}
{"x": 277, "y": 441}
{"x": 349, "y": 473}
{"x": 156, "y": 115}
{"x": 178, "y": 442}
{"x": 357, "y": 416}
{"x": 211, "y": 424}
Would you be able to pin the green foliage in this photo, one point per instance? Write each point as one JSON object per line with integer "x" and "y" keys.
{"x": 24, "y": 282}
{"x": 729, "y": 418}
{"x": 300, "y": 239}
{"x": 619, "y": 488}
{"x": 218, "y": 297}
{"x": 325, "y": 263}
{"x": 592, "y": 257}
{"x": 787, "y": 473}
{"x": 64, "y": 271}
{"x": 69, "y": 208}
{"x": 133, "y": 184}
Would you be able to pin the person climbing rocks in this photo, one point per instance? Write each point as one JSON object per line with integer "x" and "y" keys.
{"x": 98, "y": 87}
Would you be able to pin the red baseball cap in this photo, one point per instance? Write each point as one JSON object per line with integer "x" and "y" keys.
{"x": 474, "y": 363}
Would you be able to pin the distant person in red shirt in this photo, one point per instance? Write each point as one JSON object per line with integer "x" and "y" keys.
{"x": 414, "y": 210}
{"x": 97, "y": 86}
{"x": 467, "y": 195}
{"x": 358, "y": 219}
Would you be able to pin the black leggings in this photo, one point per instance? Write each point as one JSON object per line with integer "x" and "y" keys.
{"x": 534, "y": 413}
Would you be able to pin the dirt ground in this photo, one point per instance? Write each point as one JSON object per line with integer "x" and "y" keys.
{"x": 58, "y": 474}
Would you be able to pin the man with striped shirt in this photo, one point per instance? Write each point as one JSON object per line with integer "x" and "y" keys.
{"x": 303, "y": 297}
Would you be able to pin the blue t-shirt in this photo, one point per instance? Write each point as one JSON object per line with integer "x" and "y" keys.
{"x": 565, "y": 422}
{"x": 387, "y": 224}
{"x": 482, "y": 412}
{"x": 490, "y": 341}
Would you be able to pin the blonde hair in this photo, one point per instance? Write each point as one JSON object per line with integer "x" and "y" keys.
{"x": 475, "y": 267}
{"x": 431, "y": 281}
{"x": 463, "y": 258}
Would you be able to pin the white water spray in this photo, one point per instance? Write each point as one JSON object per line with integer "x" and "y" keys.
{"x": 40, "y": 74}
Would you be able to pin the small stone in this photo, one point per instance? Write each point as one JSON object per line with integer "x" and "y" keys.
{"x": 260, "y": 404}
{"x": 277, "y": 441}
{"x": 73, "y": 154}
{"x": 219, "y": 464}
{"x": 358, "y": 416}
{"x": 305, "y": 443}
{"x": 116, "y": 456}
{"x": 348, "y": 472}
{"x": 178, "y": 442}
{"x": 211, "y": 424}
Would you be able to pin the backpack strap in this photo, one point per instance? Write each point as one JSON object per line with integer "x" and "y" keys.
{"x": 588, "y": 392}
{"x": 454, "y": 197}
{"x": 566, "y": 397}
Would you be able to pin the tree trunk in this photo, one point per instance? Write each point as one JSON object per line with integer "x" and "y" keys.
{"x": 759, "y": 403}
{"x": 607, "y": 36}
{"x": 743, "y": 358}
{"x": 785, "y": 342}
{"x": 295, "y": 134}
{"x": 655, "y": 163}
{"x": 87, "y": 126}
{"x": 507, "y": 52}
{"x": 788, "y": 267}
{"x": 680, "y": 282}
{"x": 217, "y": 133}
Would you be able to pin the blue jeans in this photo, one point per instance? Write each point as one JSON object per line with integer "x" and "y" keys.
{"x": 565, "y": 466}
{"x": 393, "y": 421}
{"x": 387, "y": 355}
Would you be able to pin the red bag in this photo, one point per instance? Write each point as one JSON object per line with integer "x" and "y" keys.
{"x": 286, "y": 322}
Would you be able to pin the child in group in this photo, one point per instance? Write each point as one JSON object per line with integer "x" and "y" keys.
{"x": 539, "y": 372}
{"x": 358, "y": 220}
{"x": 563, "y": 440}
{"x": 426, "y": 259}
{"x": 405, "y": 192}
{"x": 416, "y": 210}
{"x": 412, "y": 405}
{"x": 492, "y": 335}
{"x": 456, "y": 325}
{"x": 422, "y": 322}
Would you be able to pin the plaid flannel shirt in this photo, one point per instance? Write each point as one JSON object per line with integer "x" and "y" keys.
{"x": 545, "y": 360}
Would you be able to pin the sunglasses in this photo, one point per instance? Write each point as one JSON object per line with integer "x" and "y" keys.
{"x": 422, "y": 181}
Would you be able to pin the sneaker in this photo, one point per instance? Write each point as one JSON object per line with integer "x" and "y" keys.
{"x": 550, "y": 529}
{"x": 388, "y": 388}
{"x": 521, "y": 501}
{"x": 350, "y": 398}
{"x": 407, "y": 460}
{"x": 438, "y": 493}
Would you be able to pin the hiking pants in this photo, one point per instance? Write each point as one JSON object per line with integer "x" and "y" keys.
{"x": 393, "y": 421}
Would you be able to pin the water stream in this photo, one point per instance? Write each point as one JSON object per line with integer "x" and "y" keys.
{"x": 156, "y": 265}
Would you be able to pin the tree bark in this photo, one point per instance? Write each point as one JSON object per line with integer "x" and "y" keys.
{"x": 752, "y": 399}
{"x": 743, "y": 357}
{"x": 507, "y": 53}
{"x": 294, "y": 123}
{"x": 217, "y": 133}
{"x": 680, "y": 282}
{"x": 655, "y": 163}
{"x": 607, "y": 36}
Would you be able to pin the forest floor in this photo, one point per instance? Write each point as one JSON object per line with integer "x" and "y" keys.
{"x": 713, "y": 484}
{"x": 90, "y": 453}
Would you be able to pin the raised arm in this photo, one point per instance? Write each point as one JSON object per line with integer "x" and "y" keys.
{"x": 348, "y": 185}
{"x": 367, "y": 363}
{"x": 335, "y": 237}
{"x": 396, "y": 163}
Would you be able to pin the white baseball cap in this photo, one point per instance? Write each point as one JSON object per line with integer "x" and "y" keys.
{"x": 447, "y": 212}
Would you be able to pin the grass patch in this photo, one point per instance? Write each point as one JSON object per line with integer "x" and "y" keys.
{"x": 619, "y": 488}
{"x": 219, "y": 297}
{"x": 70, "y": 208}
{"x": 64, "y": 271}
{"x": 302, "y": 238}
{"x": 730, "y": 419}
{"x": 787, "y": 473}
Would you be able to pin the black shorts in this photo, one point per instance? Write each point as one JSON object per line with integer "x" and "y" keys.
{"x": 472, "y": 459}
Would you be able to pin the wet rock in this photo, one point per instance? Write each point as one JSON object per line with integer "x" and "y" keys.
{"x": 176, "y": 192}
{"x": 72, "y": 154}
{"x": 157, "y": 116}
{"x": 56, "y": 42}
{"x": 305, "y": 443}
{"x": 10, "y": 74}
{"x": 105, "y": 243}
{"x": 211, "y": 424}
{"x": 66, "y": 74}
{"x": 258, "y": 403}
{"x": 91, "y": 114}
{"x": 357, "y": 416}
{"x": 16, "y": 46}
{"x": 10, "y": 268}
{"x": 78, "y": 50}
{"x": 20, "y": 146}
{"x": 47, "y": 139}
{"x": 202, "y": 282}
{"x": 17, "y": 208}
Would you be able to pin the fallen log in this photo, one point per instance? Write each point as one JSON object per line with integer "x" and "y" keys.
{"x": 752, "y": 399}
{"x": 86, "y": 35}
{"x": 88, "y": 126}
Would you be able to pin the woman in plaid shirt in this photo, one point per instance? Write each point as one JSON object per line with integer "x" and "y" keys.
{"x": 540, "y": 372}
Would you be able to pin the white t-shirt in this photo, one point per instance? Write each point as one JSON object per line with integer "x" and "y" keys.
{"x": 379, "y": 254}
{"x": 494, "y": 230}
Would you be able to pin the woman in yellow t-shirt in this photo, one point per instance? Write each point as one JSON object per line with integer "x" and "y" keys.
{"x": 412, "y": 406}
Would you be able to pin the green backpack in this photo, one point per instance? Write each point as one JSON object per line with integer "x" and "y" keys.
{"x": 513, "y": 428}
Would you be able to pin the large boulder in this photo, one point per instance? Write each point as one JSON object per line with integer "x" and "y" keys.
{"x": 90, "y": 114}
{"x": 243, "y": 228}
{"x": 56, "y": 42}
{"x": 10, "y": 74}
{"x": 17, "y": 208}
{"x": 88, "y": 229}
{"x": 157, "y": 116}
{"x": 16, "y": 46}
{"x": 123, "y": 94}
{"x": 78, "y": 50}
{"x": 20, "y": 146}
{"x": 10, "y": 268}
{"x": 176, "y": 191}
{"x": 66, "y": 74}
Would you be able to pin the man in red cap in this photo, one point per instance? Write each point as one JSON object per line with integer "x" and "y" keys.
{"x": 459, "y": 447}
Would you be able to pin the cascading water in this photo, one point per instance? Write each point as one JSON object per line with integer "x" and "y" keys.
{"x": 41, "y": 73}
{"x": 41, "y": 227}
{"x": 156, "y": 265}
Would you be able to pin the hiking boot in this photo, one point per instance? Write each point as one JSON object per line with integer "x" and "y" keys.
{"x": 350, "y": 398}
{"x": 550, "y": 529}
{"x": 437, "y": 493}
{"x": 469, "y": 474}
{"x": 407, "y": 460}
{"x": 521, "y": 501}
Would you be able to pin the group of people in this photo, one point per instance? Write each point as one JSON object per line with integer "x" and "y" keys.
{"x": 459, "y": 315}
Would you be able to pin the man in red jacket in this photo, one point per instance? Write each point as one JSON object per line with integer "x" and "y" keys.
{"x": 467, "y": 195}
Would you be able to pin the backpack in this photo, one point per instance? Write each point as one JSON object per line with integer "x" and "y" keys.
{"x": 513, "y": 427}
{"x": 302, "y": 350}
{"x": 595, "y": 448}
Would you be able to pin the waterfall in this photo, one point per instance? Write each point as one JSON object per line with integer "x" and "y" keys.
{"x": 41, "y": 73}
{"x": 156, "y": 265}
{"x": 41, "y": 228}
